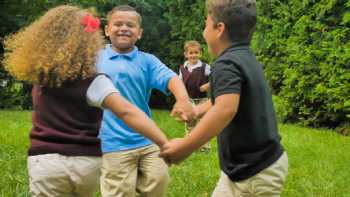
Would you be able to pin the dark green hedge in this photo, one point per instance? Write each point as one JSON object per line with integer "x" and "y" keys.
{"x": 305, "y": 47}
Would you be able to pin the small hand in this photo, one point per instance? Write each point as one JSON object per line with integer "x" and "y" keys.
{"x": 179, "y": 115}
{"x": 175, "y": 151}
{"x": 204, "y": 87}
{"x": 183, "y": 111}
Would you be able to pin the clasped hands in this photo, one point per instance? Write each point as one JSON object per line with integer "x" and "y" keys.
{"x": 176, "y": 150}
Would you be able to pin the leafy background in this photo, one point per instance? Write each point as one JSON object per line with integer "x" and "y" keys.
{"x": 303, "y": 45}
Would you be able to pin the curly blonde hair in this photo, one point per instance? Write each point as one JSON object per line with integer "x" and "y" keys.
{"x": 54, "y": 49}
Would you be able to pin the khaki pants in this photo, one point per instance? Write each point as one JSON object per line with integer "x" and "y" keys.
{"x": 63, "y": 176}
{"x": 137, "y": 172}
{"x": 191, "y": 124}
{"x": 267, "y": 183}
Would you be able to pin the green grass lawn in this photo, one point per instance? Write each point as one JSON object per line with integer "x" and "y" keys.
{"x": 319, "y": 160}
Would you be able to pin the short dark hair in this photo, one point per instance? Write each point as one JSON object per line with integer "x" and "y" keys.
{"x": 239, "y": 17}
{"x": 123, "y": 8}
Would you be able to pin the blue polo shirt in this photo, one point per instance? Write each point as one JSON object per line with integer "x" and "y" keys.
{"x": 134, "y": 74}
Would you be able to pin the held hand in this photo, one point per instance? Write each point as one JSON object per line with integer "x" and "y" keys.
{"x": 196, "y": 114}
{"x": 204, "y": 87}
{"x": 175, "y": 151}
{"x": 183, "y": 111}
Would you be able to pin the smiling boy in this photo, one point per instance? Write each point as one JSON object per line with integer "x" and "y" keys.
{"x": 131, "y": 165}
{"x": 195, "y": 75}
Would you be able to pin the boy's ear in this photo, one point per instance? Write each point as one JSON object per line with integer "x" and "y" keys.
{"x": 221, "y": 28}
{"x": 140, "y": 34}
{"x": 106, "y": 30}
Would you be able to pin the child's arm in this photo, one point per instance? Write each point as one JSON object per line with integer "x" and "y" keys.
{"x": 204, "y": 87}
{"x": 202, "y": 108}
{"x": 102, "y": 93}
{"x": 213, "y": 122}
{"x": 134, "y": 118}
{"x": 183, "y": 108}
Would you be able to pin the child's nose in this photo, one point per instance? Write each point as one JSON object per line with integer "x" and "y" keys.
{"x": 124, "y": 27}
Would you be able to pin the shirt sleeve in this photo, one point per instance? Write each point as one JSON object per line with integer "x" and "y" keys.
{"x": 226, "y": 79}
{"x": 98, "y": 90}
{"x": 207, "y": 70}
{"x": 159, "y": 74}
{"x": 180, "y": 75}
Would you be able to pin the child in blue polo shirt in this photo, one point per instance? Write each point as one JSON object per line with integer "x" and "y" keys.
{"x": 131, "y": 163}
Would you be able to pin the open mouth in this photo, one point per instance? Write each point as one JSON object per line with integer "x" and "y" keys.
{"x": 124, "y": 35}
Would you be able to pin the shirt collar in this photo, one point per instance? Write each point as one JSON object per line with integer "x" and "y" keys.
{"x": 236, "y": 45}
{"x": 187, "y": 64}
{"x": 112, "y": 54}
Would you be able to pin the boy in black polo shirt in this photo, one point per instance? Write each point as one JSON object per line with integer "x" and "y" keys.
{"x": 241, "y": 111}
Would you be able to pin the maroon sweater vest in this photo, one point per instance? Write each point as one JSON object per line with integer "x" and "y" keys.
{"x": 193, "y": 81}
{"x": 63, "y": 122}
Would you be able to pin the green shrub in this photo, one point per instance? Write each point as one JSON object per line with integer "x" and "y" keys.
{"x": 280, "y": 109}
{"x": 305, "y": 47}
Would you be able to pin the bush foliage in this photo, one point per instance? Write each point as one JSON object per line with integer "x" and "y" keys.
{"x": 304, "y": 45}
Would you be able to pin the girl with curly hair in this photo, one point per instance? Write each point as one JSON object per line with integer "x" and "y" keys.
{"x": 57, "y": 54}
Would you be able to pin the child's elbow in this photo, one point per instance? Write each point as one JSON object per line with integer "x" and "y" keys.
{"x": 125, "y": 111}
{"x": 122, "y": 114}
{"x": 228, "y": 105}
{"x": 229, "y": 112}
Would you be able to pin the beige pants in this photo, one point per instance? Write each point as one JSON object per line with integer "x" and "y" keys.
{"x": 191, "y": 124}
{"x": 137, "y": 172}
{"x": 267, "y": 183}
{"x": 63, "y": 176}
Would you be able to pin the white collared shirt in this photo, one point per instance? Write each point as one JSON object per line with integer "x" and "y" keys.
{"x": 191, "y": 67}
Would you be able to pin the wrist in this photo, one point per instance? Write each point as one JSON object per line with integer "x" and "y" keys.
{"x": 196, "y": 111}
{"x": 188, "y": 144}
{"x": 182, "y": 99}
{"x": 162, "y": 141}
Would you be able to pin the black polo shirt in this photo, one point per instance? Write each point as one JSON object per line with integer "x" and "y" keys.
{"x": 250, "y": 143}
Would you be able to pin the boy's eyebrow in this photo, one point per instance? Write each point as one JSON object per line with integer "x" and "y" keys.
{"x": 127, "y": 22}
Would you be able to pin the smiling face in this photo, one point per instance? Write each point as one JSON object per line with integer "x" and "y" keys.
{"x": 124, "y": 29}
{"x": 192, "y": 54}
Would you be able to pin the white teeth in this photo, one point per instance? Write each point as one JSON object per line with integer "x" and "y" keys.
{"x": 123, "y": 34}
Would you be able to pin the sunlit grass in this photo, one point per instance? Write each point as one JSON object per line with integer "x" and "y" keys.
{"x": 319, "y": 160}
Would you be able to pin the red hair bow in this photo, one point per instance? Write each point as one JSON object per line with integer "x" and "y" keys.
{"x": 91, "y": 24}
